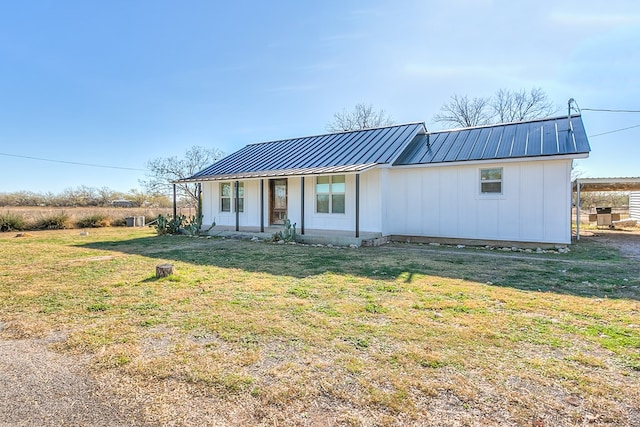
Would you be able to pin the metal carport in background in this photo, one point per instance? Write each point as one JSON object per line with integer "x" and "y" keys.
{"x": 601, "y": 184}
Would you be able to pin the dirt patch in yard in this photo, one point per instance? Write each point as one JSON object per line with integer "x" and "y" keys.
{"x": 626, "y": 241}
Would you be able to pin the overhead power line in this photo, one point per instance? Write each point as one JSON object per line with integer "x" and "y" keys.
{"x": 613, "y": 131}
{"x": 606, "y": 110}
{"x": 72, "y": 163}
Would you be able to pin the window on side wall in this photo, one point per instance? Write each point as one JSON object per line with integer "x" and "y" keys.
{"x": 491, "y": 181}
{"x": 330, "y": 191}
{"x": 227, "y": 197}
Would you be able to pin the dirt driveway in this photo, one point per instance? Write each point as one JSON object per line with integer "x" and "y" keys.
{"x": 627, "y": 242}
{"x": 39, "y": 387}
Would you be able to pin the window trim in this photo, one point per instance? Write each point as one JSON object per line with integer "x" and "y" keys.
{"x": 223, "y": 197}
{"x": 232, "y": 197}
{"x": 491, "y": 181}
{"x": 330, "y": 194}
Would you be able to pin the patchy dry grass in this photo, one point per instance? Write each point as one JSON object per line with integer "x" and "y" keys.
{"x": 253, "y": 333}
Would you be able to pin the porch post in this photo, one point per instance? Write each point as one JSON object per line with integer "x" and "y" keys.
{"x": 236, "y": 205}
{"x": 199, "y": 208}
{"x": 302, "y": 205}
{"x": 577, "y": 210}
{"x": 357, "y": 205}
{"x": 175, "y": 205}
{"x": 262, "y": 205}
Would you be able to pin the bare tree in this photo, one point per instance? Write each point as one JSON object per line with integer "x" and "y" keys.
{"x": 363, "y": 116}
{"x": 163, "y": 171}
{"x": 515, "y": 106}
{"x": 504, "y": 106}
{"x": 461, "y": 111}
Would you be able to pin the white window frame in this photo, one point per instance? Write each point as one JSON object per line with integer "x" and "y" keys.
{"x": 330, "y": 194}
{"x": 232, "y": 197}
{"x": 491, "y": 181}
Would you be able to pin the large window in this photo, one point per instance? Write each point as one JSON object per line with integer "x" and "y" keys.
{"x": 330, "y": 194}
{"x": 491, "y": 181}
{"x": 227, "y": 197}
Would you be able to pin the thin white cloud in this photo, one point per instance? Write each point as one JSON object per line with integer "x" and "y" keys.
{"x": 590, "y": 20}
{"x": 293, "y": 89}
{"x": 439, "y": 71}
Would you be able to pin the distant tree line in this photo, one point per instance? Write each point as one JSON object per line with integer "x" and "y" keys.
{"x": 601, "y": 199}
{"x": 84, "y": 197}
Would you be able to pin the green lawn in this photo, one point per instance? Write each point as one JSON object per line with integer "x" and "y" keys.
{"x": 256, "y": 333}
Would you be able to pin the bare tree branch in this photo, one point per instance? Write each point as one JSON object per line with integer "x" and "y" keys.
{"x": 505, "y": 106}
{"x": 461, "y": 111}
{"x": 516, "y": 106}
{"x": 164, "y": 170}
{"x": 363, "y": 116}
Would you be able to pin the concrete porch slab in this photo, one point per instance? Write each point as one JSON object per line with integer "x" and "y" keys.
{"x": 323, "y": 237}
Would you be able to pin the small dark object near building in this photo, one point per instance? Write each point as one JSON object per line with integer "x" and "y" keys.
{"x": 603, "y": 211}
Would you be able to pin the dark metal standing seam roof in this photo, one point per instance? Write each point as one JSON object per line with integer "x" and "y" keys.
{"x": 407, "y": 144}
{"x": 332, "y": 153}
{"x": 544, "y": 137}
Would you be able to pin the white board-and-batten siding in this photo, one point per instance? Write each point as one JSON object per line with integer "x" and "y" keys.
{"x": 430, "y": 201}
{"x": 634, "y": 205}
{"x": 446, "y": 202}
{"x": 211, "y": 204}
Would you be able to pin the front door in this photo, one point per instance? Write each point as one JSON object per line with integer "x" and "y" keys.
{"x": 277, "y": 201}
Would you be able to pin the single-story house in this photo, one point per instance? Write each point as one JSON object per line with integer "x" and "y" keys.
{"x": 506, "y": 182}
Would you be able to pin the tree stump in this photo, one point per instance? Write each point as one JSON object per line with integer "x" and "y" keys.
{"x": 164, "y": 270}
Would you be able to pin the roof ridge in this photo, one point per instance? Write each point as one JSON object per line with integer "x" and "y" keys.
{"x": 339, "y": 133}
{"x": 503, "y": 124}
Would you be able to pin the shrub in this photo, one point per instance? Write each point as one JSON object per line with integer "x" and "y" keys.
{"x": 288, "y": 232}
{"x": 94, "y": 221}
{"x": 58, "y": 221}
{"x": 169, "y": 225}
{"x": 119, "y": 222}
{"x": 11, "y": 221}
{"x": 180, "y": 224}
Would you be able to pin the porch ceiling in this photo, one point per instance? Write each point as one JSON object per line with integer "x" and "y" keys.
{"x": 607, "y": 184}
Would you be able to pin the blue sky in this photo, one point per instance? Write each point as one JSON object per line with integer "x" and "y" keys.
{"x": 118, "y": 83}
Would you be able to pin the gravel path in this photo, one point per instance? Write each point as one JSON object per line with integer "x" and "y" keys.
{"x": 41, "y": 388}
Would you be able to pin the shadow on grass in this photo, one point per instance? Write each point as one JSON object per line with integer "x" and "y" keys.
{"x": 590, "y": 270}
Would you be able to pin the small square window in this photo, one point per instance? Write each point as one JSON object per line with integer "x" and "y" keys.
{"x": 491, "y": 181}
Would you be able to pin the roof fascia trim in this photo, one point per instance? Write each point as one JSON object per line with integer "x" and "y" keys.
{"x": 275, "y": 175}
{"x": 493, "y": 161}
